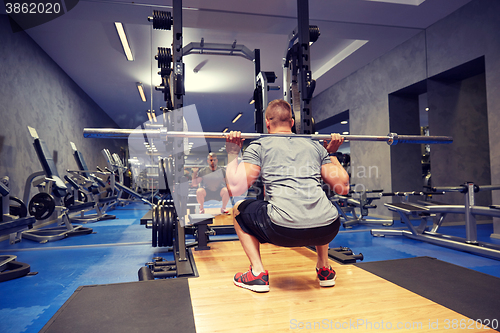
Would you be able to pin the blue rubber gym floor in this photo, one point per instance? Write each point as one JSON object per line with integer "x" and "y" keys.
{"x": 118, "y": 248}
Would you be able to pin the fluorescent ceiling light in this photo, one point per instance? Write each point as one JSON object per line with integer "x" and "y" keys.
{"x": 141, "y": 91}
{"x": 343, "y": 122}
{"x": 151, "y": 114}
{"x": 225, "y": 130}
{"x": 402, "y": 2}
{"x": 123, "y": 39}
{"x": 350, "y": 49}
{"x": 238, "y": 116}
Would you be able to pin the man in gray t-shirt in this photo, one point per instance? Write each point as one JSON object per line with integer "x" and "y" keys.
{"x": 211, "y": 182}
{"x": 296, "y": 211}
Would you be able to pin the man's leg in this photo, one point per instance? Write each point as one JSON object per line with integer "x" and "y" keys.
{"x": 322, "y": 252}
{"x": 325, "y": 273}
{"x": 224, "y": 193}
{"x": 250, "y": 244}
{"x": 200, "y": 197}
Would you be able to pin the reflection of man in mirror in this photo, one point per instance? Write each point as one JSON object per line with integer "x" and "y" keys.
{"x": 211, "y": 182}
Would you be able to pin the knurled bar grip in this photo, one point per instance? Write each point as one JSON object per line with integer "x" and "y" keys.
{"x": 391, "y": 139}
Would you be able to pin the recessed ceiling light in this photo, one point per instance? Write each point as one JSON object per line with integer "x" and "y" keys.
{"x": 141, "y": 91}
{"x": 238, "y": 116}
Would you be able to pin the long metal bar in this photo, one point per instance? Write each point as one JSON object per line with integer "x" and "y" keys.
{"x": 391, "y": 139}
{"x": 483, "y": 249}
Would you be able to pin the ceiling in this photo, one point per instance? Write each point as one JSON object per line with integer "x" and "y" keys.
{"x": 85, "y": 44}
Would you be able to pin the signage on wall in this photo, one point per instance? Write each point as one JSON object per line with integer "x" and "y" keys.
{"x": 26, "y": 14}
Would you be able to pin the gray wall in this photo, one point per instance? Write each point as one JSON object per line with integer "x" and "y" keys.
{"x": 35, "y": 92}
{"x": 365, "y": 95}
{"x": 469, "y": 33}
{"x": 463, "y": 115}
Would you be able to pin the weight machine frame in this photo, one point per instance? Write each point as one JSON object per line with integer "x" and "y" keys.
{"x": 427, "y": 212}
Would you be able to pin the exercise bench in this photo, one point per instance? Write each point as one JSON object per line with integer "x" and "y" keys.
{"x": 426, "y": 212}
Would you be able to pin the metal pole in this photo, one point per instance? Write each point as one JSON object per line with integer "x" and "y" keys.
{"x": 391, "y": 139}
{"x": 470, "y": 220}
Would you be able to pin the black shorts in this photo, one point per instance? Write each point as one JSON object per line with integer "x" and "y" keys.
{"x": 253, "y": 219}
{"x": 213, "y": 195}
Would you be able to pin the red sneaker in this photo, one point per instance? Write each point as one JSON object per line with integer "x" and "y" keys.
{"x": 326, "y": 276}
{"x": 259, "y": 283}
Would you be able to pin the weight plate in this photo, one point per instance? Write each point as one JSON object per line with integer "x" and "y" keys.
{"x": 69, "y": 199}
{"x": 41, "y": 206}
{"x": 82, "y": 196}
{"x": 158, "y": 224}
{"x": 19, "y": 210}
{"x": 170, "y": 226}
{"x": 165, "y": 210}
{"x": 165, "y": 226}
{"x": 161, "y": 225}
{"x": 155, "y": 228}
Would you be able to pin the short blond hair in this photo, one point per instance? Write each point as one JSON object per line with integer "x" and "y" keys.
{"x": 279, "y": 112}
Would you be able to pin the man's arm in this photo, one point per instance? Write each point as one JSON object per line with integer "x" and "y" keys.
{"x": 196, "y": 180}
{"x": 334, "y": 173}
{"x": 240, "y": 176}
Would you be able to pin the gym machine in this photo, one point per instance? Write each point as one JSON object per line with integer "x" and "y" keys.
{"x": 298, "y": 84}
{"x": 86, "y": 184}
{"x": 362, "y": 201}
{"x": 172, "y": 85}
{"x": 116, "y": 168}
{"x": 47, "y": 206}
{"x": 298, "y": 90}
{"x": 436, "y": 214}
{"x": 13, "y": 219}
{"x": 168, "y": 230}
{"x": 168, "y": 219}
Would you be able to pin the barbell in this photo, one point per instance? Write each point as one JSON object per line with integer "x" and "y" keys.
{"x": 162, "y": 133}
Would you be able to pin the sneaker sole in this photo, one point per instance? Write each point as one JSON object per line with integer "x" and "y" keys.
{"x": 327, "y": 283}
{"x": 256, "y": 288}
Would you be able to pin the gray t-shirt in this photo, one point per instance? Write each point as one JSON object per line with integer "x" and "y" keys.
{"x": 213, "y": 180}
{"x": 291, "y": 173}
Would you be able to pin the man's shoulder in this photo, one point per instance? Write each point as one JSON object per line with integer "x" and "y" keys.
{"x": 204, "y": 171}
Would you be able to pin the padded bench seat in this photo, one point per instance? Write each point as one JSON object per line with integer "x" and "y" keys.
{"x": 201, "y": 221}
{"x": 73, "y": 208}
{"x": 16, "y": 225}
{"x": 406, "y": 207}
{"x": 197, "y": 219}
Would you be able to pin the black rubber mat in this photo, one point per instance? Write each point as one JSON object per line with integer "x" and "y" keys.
{"x": 473, "y": 294}
{"x": 146, "y": 306}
